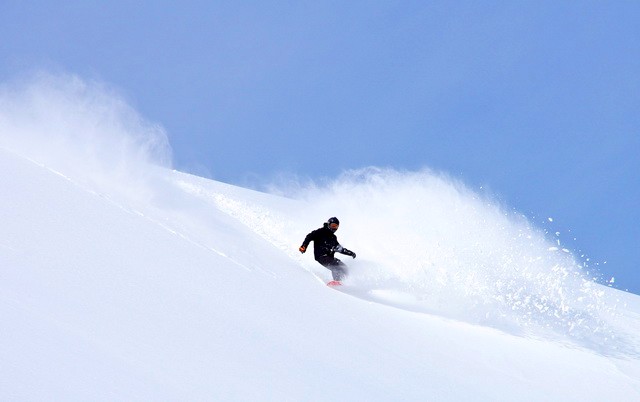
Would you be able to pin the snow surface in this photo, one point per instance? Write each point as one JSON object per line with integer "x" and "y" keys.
{"x": 121, "y": 279}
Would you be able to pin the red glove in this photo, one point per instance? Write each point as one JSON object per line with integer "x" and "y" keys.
{"x": 302, "y": 249}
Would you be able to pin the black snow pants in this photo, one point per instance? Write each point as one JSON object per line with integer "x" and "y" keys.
{"x": 337, "y": 267}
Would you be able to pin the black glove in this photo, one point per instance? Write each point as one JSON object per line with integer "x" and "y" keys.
{"x": 349, "y": 253}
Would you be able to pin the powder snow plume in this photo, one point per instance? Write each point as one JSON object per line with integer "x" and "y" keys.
{"x": 82, "y": 129}
{"x": 456, "y": 253}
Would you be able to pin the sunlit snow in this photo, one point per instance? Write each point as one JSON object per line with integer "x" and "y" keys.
{"x": 122, "y": 279}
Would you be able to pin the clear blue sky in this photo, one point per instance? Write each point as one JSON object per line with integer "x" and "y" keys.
{"x": 537, "y": 101}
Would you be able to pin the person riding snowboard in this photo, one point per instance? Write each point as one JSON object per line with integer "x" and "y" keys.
{"x": 325, "y": 245}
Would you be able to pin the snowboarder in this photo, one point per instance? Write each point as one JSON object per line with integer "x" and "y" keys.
{"x": 325, "y": 245}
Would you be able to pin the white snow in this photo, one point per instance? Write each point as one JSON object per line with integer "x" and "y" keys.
{"x": 123, "y": 280}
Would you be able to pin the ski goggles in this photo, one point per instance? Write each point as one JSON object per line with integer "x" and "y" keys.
{"x": 333, "y": 226}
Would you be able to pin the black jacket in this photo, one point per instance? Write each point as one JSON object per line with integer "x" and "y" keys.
{"x": 325, "y": 244}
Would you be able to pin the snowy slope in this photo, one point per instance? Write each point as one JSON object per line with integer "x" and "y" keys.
{"x": 177, "y": 298}
{"x": 123, "y": 280}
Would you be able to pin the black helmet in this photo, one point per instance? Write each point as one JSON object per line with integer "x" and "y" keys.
{"x": 333, "y": 224}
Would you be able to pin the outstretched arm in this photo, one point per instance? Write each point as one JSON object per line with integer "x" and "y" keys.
{"x": 348, "y": 252}
{"x": 342, "y": 250}
{"x": 306, "y": 242}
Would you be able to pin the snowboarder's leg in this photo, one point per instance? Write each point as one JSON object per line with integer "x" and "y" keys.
{"x": 338, "y": 270}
